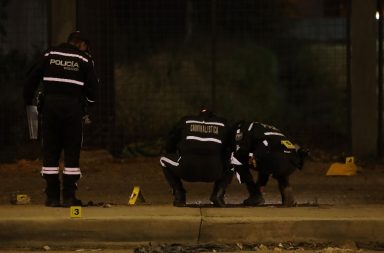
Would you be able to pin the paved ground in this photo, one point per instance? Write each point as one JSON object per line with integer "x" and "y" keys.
{"x": 332, "y": 211}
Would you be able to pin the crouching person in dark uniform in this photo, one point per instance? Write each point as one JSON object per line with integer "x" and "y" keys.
{"x": 264, "y": 148}
{"x": 68, "y": 77}
{"x": 198, "y": 151}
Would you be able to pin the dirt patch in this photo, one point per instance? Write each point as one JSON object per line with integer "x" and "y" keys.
{"x": 110, "y": 180}
{"x": 326, "y": 247}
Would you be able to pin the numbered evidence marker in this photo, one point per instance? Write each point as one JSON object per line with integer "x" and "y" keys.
{"x": 22, "y": 199}
{"x": 136, "y": 195}
{"x": 350, "y": 160}
{"x": 75, "y": 212}
{"x": 348, "y": 168}
{"x": 288, "y": 144}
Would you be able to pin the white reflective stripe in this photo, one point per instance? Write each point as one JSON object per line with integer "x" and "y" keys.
{"x": 250, "y": 127}
{"x": 66, "y": 54}
{"x": 72, "y": 171}
{"x": 204, "y": 122}
{"x": 234, "y": 161}
{"x": 50, "y": 170}
{"x": 265, "y": 142}
{"x": 273, "y": 133}
{"x": 250, "y": 154}
{"x": 238, "y": 178}
{"x": 203, "y": 139}
{"x": 63, "y": 80}
{"x": 167, "y": 160}
{"x": 90, "y": 101}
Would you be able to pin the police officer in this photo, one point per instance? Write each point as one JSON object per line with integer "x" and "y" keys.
{"x": 68, "y": 79}
{"x": 265, "y": 148}
{"x": 198, "y": 151}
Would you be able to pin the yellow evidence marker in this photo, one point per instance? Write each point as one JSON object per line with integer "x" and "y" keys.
{"x": 348, "y": 168}
{"x": 136, "y": 195}
{"x": 22, "y": 199}
{"x": 75, "y": 212}
{"x": 350, "y": 159}
{"x": 288, "y": 144}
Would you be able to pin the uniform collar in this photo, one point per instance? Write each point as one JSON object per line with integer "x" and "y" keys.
{"x": 67, "y": 45}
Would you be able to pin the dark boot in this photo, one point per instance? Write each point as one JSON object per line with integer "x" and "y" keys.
{"x": 69, "y": 189}
{"x": 179, "y": 198}
{"x": 286, "y": 192}
{"x": 219, "y": 188}
{"x": 288, "y": 198}
{"x": 255, "y": 198}
{"x": 52, "y": 190}
{"x": 246, "y": 177}
{"x": 178, "y": 190}
{"x": 217, "y": 196}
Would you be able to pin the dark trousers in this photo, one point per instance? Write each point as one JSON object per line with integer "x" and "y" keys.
{"x": 196, "y": 169}
{"x": 62, "y": 131}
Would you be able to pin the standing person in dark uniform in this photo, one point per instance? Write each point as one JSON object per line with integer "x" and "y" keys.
{"x": 198, "y": 151}
{"x": 266, "y": 149}
{"x": 68, "y": 79}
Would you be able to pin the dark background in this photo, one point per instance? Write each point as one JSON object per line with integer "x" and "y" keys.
{"x": 282, "y": 62}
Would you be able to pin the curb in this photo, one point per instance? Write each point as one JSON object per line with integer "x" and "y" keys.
{"x": 38, "y": 225}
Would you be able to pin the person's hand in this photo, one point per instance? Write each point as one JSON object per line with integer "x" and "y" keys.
{"x": 87, "y": 119}
{"x": 252, "y": 162}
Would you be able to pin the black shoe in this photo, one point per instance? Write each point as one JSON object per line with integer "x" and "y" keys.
{"x": 179, "y": 199}
{"x": 52, "y": 203}
{"x": 217, "y": 201}
{"x": 179, "y": 203}
{"x": 288, "y": 199}
{"x": 72, "y": 202}
{"x": 218, "y": 193}
{"x": 254, "y": 200}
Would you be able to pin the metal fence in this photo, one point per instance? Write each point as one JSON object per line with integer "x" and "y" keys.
{"x": 283, "y": 62}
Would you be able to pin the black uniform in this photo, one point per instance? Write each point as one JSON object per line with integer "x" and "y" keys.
{"x": 198, "y": 151}
{"x": 68, "y": 79}
{"x": 266, "y": 149}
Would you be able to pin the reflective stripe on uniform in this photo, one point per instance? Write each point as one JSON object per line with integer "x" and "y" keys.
{"x": 50, "y": 170}
{"x": 67, "y": 54}
{"x": 62, "y": 80}
{"x": 234, "y": 161}
{"x": 203, "y": 139}
{"x": 90, "y": 101}
{"x": 204, "y": 122}
{"x": 164, "y": 160}
{"x": 72, "y": 171}
{"x": 273, "y": 133}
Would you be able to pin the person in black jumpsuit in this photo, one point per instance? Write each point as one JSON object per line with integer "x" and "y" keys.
{"x": 266, "y": 149}
{"x": 68, "y": 79}
{"x": 197, "y": 150}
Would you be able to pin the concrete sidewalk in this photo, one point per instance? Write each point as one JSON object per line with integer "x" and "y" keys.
{"x": 36, "y": 225}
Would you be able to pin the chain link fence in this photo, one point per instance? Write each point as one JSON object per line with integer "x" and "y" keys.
{"x": 282, "y": 62}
